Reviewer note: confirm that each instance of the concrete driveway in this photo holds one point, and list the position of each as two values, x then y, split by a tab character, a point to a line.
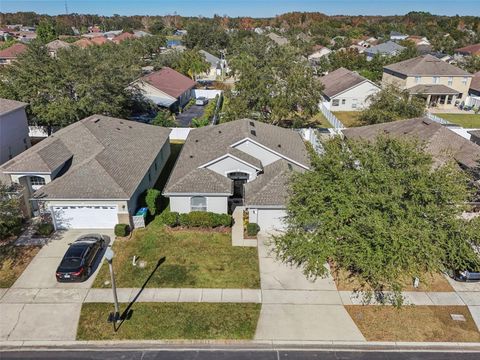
299	309
185	119
36	307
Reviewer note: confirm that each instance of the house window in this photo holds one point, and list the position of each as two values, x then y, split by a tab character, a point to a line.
354	103
344	101
37	181
335	102
464	80
418	79
198	203
450	81
436	79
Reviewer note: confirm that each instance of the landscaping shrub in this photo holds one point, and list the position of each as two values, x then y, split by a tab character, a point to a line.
252	229
44	229
122	230
222	220
204	219
168	218
152	199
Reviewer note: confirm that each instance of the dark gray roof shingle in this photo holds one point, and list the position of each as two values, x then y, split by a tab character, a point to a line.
435	89
340	80
7	105
426	65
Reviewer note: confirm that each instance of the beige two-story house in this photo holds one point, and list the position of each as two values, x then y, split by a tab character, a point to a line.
439	82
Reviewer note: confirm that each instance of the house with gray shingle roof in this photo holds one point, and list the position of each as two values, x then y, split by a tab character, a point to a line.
388	48
13	129
239	163
91	174
441	84
345	90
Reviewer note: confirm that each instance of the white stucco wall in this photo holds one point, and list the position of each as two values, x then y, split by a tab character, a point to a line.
357	95
229	164
265	156
13	134
216	204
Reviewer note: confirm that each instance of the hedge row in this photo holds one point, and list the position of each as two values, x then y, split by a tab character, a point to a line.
195	219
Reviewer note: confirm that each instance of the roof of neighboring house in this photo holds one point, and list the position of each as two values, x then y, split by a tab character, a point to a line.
388	47
169	81
57	44
83	43
436	89
209	143
475	84
104	157
212	59
123	36
271	188
279	40
99	40
475	133
13	51
426	65
470	49
7	105
396	33
442	143
340	80
141	33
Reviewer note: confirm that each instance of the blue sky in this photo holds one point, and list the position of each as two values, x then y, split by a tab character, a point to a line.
254	8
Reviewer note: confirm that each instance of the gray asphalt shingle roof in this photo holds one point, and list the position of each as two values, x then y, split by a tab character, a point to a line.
435	89
106	157
388	48
212	142
7	105
340	80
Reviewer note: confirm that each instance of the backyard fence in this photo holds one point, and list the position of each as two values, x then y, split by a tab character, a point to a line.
332	119
438	119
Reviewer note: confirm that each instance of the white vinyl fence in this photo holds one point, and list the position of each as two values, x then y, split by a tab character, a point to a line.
332	119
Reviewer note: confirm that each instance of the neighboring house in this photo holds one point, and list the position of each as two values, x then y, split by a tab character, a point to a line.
242	162
439	82
319	51
475	85
10	54
91	174
470	50
388	48
418	40
440	142
99	40
396	36
83	43
279	40
217	66
55	45
141	33
13	129
366	41
358	48
345	90
122	37
475	136
167	88
112	34
180	32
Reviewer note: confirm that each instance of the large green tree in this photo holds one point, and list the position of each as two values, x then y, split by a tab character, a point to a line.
274	84
390	104
46	31
380	210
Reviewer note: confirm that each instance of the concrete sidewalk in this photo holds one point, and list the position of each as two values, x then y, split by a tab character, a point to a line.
237	229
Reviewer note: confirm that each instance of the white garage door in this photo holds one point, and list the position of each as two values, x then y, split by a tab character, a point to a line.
271	219
85	217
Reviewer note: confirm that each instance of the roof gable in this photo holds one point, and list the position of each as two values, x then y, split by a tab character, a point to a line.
339	81
169	81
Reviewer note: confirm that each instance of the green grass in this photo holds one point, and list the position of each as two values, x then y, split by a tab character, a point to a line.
349	118
194	259
13	261
319	120
465	120
155	321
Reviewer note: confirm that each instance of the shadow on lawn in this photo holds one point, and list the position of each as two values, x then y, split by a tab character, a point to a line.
128	312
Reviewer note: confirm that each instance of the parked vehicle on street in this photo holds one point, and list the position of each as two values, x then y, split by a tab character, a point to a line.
466	275
201	101
77	263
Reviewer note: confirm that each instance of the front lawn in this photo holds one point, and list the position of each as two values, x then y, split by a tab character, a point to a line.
156	321
345	281
193	259
414	323
349	118
13	260
464	120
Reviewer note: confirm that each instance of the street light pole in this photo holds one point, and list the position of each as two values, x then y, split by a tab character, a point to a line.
109	257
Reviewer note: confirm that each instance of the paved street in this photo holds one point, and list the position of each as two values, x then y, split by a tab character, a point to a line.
236	355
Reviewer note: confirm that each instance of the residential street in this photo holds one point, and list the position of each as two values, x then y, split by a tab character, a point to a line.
235	355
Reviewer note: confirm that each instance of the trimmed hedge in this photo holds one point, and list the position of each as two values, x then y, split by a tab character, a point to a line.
122	230
152	199
252	229
44	229
200	219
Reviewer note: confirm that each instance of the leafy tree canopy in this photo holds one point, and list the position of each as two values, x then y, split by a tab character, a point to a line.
391	104
164	118
381	211
10	213
46	31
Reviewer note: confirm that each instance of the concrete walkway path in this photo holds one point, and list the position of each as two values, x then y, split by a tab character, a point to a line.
297	309
237	229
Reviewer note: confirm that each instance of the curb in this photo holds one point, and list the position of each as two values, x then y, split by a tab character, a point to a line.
259	345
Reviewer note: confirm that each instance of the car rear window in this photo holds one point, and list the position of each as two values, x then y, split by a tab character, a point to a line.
71	263
75	251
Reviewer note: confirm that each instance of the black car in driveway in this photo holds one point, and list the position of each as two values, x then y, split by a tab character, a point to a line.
77	263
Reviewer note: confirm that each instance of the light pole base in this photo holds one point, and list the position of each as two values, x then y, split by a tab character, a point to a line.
114	317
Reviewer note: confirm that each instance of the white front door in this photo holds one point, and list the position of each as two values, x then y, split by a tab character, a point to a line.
85	216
